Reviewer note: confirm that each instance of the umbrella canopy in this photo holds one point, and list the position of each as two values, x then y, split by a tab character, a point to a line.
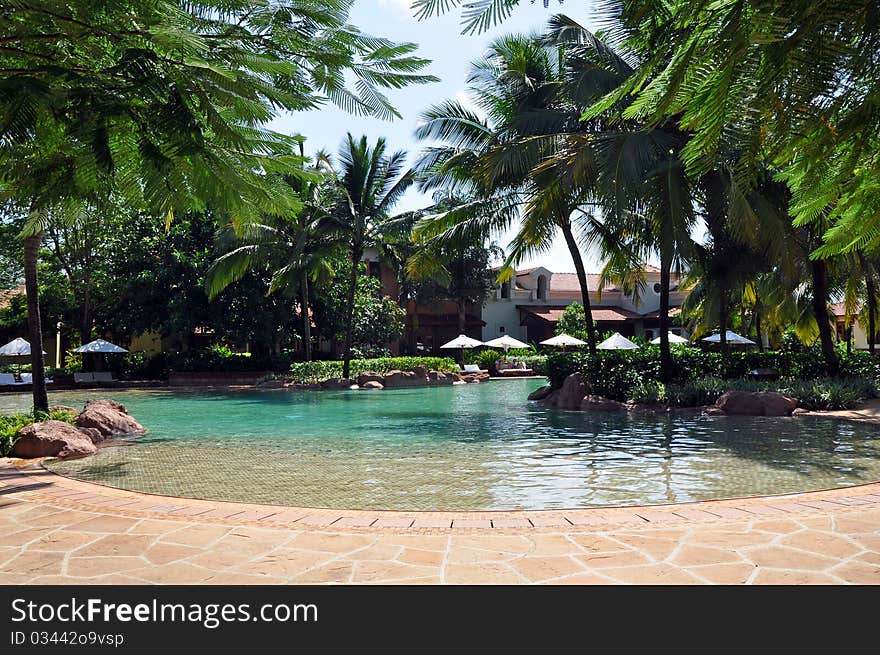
506	342
17	348
673	338
732	337
563	340
617	342
462	341
99	346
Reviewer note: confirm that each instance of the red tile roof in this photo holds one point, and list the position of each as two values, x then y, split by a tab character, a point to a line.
554	313
6	296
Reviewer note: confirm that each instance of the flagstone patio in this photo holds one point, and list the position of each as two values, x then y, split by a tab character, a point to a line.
54	530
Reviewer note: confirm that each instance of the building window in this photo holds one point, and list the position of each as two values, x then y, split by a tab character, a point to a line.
649	334
505	289
501	329
657	288
542	287
375	270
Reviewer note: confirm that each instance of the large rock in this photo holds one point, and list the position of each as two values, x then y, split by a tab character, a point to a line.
371	384
541	393
369	376
420	371
570	394
474	378
275	383
301	386
600	404
439	378
109	417
400	379
52	439
336	384
756	403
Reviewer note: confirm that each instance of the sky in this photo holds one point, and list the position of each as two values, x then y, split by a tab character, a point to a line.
441	41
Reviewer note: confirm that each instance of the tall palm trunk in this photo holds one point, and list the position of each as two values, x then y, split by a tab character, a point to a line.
35	333
723	319
665	355
304	312
462	317
760	339
871	288
819	270
582	281
356	253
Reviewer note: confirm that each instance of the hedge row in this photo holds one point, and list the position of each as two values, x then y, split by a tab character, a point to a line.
312	372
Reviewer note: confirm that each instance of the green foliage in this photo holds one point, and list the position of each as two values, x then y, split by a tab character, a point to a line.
318	371
573	322
648	392
10	424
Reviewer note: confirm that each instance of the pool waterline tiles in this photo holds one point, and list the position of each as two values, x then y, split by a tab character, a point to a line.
462	449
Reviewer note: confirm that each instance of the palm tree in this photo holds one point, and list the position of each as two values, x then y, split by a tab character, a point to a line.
522	87
369	183
295	248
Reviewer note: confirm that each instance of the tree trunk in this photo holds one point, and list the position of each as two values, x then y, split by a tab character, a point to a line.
85	326
819	271
665	355
306	321
462	317
871	288
582	281
723	320
760	339
35	328
356	254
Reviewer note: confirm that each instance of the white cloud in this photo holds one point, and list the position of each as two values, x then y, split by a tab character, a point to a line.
400	7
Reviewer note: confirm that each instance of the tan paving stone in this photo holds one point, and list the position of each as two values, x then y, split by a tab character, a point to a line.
859	573
155	526
330	543
594	543
376	551
420	557
777	577
583	579
658	548
337	572
89	567
175	573
284	563
538	569
651	575
63	541
482	574
33	563
822	543
778	557
497	543
389	572
162	553
609	560
116	544
724	573
195	535
21	537
104	523
688	556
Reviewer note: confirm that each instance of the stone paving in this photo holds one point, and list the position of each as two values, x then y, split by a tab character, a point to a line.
54	530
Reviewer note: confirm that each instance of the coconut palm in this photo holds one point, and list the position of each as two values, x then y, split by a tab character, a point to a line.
369	183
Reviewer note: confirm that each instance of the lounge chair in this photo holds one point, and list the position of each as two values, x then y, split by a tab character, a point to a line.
103	376
473	368
513	369
7	379
79	378
28	378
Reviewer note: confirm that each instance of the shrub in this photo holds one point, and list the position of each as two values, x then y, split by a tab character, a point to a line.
647	391
313	372
12	423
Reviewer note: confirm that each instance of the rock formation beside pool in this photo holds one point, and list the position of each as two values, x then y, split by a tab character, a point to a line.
53	439
756	403
98	420
110	418
574	394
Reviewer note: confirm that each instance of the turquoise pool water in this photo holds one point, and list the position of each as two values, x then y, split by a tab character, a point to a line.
474	447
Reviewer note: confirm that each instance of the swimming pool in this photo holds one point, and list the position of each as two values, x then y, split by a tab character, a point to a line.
473	447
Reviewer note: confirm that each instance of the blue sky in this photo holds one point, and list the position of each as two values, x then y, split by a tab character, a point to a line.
441	41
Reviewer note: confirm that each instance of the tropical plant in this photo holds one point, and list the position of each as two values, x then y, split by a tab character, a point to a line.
369	183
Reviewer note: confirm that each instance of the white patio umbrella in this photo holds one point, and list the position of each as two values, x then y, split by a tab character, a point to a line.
99	346
507	342
461	342
17	348
732	337
673	338
617	342
563	340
